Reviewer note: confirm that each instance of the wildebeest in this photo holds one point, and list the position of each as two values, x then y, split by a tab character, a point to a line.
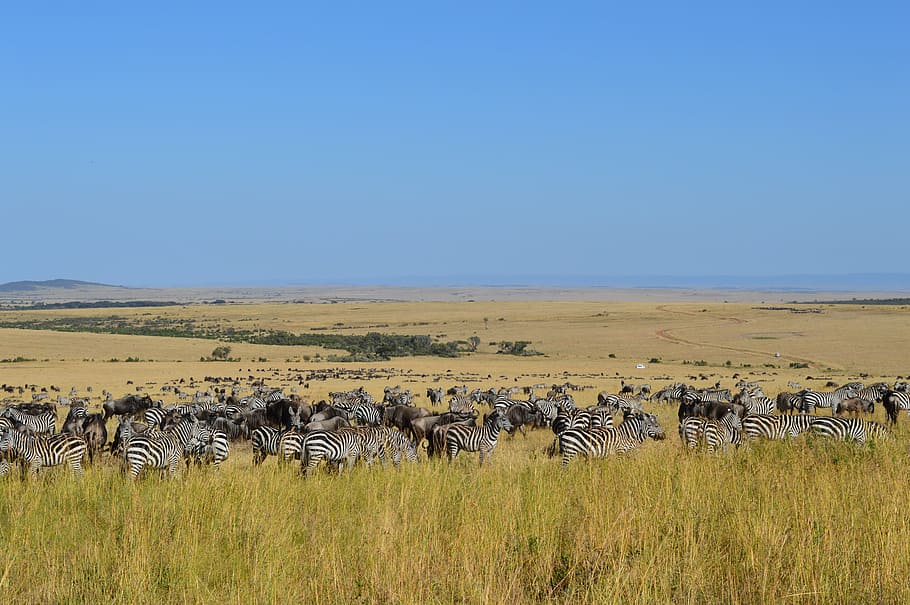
855	406
329	424
130	404
94	432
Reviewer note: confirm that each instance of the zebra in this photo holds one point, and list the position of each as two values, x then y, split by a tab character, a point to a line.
461	404
894	401
714	433
161	449
154	417
481	439
46	422
601	417
827	399
366	414
396	444
549	409
600	443
290	445
755	402
36	451
845	429
775	427
335	447
210	446
669	394
265	440
619	403
873	392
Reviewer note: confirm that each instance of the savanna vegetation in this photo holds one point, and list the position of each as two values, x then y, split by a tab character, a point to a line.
812	521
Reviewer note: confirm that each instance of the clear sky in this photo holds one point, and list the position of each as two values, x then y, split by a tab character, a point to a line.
190	143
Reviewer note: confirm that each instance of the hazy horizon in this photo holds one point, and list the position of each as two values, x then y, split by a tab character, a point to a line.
896	282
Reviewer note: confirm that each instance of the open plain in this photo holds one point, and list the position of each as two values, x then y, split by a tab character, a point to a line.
807	521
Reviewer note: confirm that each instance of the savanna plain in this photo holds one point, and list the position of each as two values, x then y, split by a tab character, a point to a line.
805	521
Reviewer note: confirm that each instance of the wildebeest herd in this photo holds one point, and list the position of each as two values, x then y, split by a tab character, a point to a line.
350	426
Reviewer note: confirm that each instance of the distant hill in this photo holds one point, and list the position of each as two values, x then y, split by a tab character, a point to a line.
65	284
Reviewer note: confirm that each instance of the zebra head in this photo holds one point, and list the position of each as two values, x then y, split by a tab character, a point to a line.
653	428
498	421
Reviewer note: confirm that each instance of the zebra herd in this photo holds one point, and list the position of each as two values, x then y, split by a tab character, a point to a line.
350	427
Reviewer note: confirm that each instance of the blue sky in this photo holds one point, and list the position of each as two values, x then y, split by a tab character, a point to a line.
399	142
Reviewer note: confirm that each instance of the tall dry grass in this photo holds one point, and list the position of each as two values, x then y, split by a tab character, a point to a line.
805	522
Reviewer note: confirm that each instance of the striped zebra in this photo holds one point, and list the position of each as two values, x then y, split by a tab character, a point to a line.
620	403
154	417
600	443
481	439
266	441
290	445
335	447
775	427
755	402
36	451
669	394
39	424
708	395
844	429
161	450
713	434
873	392
461	404
826	399
894	401
548	409
397	445
365	414
209	447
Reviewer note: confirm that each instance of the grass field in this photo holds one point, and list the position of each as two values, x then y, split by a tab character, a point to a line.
803	522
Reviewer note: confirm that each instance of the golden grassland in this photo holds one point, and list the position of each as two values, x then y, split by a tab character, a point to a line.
805	522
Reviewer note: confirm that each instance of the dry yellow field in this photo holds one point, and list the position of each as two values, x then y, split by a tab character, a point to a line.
803	522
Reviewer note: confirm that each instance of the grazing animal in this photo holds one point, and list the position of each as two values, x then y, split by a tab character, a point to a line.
602	442
845	429
894	401
45	422
827	399
481	439
130	404
94	431
161	450
714	434
775	427
855	406
336	447
37	451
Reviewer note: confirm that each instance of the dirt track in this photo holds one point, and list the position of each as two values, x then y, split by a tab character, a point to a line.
667	335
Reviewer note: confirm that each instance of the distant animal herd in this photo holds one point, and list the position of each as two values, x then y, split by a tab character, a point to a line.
351	427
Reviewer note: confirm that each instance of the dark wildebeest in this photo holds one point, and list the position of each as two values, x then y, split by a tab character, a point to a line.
715	410
328	413
94	432
129	404
855	406
285	412
895	401
422	427
330	424
400	416
519	416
